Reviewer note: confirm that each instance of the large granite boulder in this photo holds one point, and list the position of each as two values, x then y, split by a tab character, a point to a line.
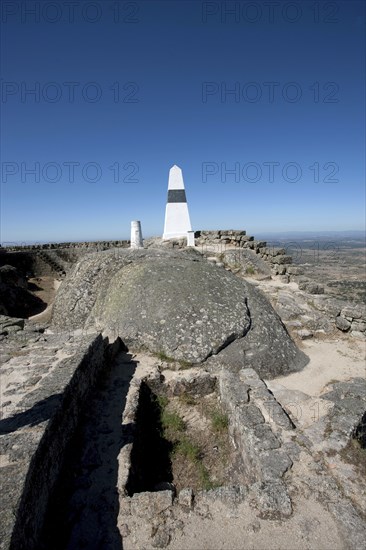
173	303
91	277
267	347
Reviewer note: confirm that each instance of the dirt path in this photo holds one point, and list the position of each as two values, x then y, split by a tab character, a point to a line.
330	361
46	290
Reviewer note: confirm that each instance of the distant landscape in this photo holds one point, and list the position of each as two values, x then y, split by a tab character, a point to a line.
334	258
348	239
337	258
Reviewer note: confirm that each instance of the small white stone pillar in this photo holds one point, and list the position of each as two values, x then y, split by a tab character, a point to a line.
190	238
136	235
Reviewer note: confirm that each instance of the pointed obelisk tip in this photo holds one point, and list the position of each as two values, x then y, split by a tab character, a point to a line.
175	178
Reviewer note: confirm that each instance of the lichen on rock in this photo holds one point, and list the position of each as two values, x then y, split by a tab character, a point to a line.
176	304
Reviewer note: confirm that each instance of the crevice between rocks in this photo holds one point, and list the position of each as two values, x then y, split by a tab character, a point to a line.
359	433
150	455
232	338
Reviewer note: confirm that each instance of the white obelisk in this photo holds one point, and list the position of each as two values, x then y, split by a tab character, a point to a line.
177	222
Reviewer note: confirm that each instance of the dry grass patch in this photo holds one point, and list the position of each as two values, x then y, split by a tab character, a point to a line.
197	428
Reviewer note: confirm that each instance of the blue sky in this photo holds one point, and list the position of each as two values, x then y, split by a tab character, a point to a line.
261	106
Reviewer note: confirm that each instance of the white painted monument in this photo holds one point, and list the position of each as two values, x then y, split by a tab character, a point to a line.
177	222
136	235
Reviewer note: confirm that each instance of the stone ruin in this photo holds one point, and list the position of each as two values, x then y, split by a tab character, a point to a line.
74	416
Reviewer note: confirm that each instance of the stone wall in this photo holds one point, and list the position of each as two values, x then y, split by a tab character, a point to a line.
225	239
231	237
95	245
352	318
52	259
256	424
37	263
49	414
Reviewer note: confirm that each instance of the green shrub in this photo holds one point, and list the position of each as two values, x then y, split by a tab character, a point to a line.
205	480
184	364
220	421
172	422
164	357
162	401
188	449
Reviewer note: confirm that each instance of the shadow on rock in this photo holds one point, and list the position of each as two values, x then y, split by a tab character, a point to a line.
84	509
41	411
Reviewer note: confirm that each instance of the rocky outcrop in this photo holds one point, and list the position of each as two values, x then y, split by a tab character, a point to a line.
310	286
347	317
10	325
246	262
78	292
176	304
349	400
165	303
267	348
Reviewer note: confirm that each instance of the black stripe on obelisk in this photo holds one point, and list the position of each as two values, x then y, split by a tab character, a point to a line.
177	195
